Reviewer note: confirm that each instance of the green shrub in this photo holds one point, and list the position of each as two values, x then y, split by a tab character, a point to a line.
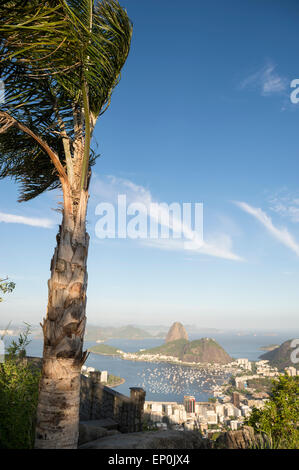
18	402
279	419
18	348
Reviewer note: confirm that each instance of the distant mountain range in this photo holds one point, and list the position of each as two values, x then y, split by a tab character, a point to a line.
95	333
204	350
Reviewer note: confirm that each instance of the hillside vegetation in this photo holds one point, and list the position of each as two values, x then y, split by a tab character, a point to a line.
280	357
104	349
204	350
174	348
280	416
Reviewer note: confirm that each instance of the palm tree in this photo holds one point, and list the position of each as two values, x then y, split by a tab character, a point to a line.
60	60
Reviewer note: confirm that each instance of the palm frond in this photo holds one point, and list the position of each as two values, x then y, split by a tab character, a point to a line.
48	50
69	40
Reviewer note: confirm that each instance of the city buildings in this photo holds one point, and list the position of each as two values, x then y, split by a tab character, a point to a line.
292	371
227	410
189	403
236	399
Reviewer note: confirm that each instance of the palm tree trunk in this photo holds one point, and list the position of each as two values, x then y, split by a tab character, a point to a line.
63	328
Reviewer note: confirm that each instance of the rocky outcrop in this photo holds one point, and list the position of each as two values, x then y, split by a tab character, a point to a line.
242	439
245	438
151	440
177	331
96	429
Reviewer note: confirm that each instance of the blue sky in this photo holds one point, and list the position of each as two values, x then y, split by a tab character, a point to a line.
202	114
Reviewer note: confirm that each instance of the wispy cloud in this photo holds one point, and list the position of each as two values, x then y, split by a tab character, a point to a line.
219	245
286	205
219	248
281	234
267	80
32	221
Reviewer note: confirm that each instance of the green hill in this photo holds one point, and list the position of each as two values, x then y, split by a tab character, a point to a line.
174	348
280	357
104	349
204	350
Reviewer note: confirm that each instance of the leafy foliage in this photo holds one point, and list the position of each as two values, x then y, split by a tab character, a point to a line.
18	348
52	55
68	40
18	402
279	419
261	384
6	286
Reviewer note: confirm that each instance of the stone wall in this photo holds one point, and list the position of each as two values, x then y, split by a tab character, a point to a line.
101	402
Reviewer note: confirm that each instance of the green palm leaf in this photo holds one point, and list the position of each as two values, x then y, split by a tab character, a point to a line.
57	56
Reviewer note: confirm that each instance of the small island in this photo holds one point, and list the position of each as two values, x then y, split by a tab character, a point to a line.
105	350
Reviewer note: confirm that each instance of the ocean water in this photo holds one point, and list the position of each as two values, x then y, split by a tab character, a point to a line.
166	382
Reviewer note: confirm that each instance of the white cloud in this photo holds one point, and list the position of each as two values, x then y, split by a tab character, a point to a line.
107	189
217	248
281	234
286	205
32	221
267	80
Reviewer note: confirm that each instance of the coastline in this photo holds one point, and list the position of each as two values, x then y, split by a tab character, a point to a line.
164	359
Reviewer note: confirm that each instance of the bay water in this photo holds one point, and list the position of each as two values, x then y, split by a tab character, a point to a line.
167	382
